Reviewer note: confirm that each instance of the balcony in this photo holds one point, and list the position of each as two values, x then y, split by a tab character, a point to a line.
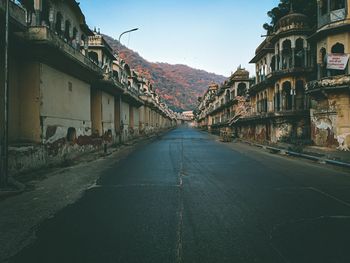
50	48
255	116
277	74
17	14
329	83
332	17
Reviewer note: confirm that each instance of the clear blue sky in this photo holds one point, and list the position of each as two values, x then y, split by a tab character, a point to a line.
216	36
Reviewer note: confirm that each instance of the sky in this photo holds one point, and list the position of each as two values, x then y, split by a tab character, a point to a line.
214	35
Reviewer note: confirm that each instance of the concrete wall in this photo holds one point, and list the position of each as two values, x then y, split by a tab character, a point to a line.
125	114
65	102
108	111
24	102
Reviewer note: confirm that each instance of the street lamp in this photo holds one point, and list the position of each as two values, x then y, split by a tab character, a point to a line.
4	130
128	31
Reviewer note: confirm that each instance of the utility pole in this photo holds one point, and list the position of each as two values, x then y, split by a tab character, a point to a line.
4	135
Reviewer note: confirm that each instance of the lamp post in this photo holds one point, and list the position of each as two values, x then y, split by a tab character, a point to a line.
128	31
4	130
120	96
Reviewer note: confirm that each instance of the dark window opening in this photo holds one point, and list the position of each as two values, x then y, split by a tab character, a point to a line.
337	4
58	25
71	134
299	53
287	96
324	7
67	31
93	56
338	49
242	89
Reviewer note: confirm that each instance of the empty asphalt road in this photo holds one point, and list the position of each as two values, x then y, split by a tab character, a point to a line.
188	198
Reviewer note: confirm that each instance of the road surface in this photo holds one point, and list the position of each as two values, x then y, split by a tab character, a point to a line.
189	198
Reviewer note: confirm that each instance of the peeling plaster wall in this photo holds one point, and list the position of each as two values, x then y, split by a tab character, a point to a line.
330	121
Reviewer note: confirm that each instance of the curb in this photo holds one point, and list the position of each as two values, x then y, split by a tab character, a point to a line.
300	155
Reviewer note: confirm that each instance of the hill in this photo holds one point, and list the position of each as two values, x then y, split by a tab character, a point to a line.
178	85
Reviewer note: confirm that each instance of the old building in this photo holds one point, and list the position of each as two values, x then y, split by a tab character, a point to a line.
218	105
330	92
301	90
284	64
69	93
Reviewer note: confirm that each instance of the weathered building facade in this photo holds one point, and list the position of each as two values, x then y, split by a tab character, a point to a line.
284	64
219	104
301	93
68	92
330	92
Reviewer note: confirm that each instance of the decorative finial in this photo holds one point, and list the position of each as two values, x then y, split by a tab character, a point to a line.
291	9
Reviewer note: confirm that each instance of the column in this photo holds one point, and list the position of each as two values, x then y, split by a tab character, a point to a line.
293	58
305	57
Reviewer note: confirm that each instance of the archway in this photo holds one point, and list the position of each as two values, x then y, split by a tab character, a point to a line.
299	53
242	89
93	56
287	96
286	54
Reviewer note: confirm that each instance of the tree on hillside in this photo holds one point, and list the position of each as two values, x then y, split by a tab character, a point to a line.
307	7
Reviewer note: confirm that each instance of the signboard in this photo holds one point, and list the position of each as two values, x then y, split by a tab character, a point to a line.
337	61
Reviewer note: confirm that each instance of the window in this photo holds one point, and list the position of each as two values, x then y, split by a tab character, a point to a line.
338	49
58	25
93	56
337	4
242	89
324	7
67	31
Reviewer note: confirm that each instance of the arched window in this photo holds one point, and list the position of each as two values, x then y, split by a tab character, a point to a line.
299	53
323	64
67	30
286	54
287	96
58	25
273	64
338	49
242	89
93	56
227	96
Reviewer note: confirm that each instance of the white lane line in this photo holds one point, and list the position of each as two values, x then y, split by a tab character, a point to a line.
179	230
132	185
179	234
331	196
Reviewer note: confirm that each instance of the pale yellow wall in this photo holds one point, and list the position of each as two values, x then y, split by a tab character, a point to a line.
131	116
58	101
24	103
96	111
125	113
330	41
136	117
108	112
